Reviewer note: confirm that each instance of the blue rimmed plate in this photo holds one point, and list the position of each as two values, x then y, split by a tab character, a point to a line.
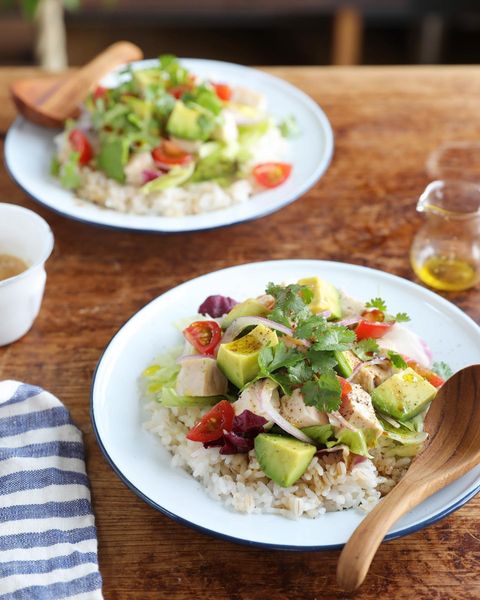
144	465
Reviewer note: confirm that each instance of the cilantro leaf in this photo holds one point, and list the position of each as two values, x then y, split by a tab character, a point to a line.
275	357
290	303
299	373
442	369
401	317
324	393
366	348
397	360
335	337
321	361
310	328
377	303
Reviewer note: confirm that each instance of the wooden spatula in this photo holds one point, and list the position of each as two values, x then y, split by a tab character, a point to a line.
52	99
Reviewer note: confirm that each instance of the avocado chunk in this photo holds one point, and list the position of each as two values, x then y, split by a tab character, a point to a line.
283	459
403	395
347	361
248	308
176	176
113	157
238	360
189	123
145	77
325	296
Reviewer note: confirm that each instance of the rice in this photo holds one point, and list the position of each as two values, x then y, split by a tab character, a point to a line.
192	199
237	480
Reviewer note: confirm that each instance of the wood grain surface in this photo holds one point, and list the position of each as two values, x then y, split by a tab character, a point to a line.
386	121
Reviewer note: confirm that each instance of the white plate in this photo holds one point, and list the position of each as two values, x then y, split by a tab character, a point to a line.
29	148
144	465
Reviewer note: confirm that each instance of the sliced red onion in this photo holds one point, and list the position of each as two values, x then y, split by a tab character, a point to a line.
426	347
150	175
374	361
349	321
268	409
239	325
338	420
325	314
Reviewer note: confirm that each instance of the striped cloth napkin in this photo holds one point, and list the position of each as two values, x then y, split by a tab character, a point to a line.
48	542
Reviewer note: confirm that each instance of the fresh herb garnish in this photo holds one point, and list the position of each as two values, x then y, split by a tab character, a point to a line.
442	369
377	303
380	304
366	348
291	303
324	393
397	360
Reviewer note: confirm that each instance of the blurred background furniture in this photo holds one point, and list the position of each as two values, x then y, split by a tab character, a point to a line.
246	31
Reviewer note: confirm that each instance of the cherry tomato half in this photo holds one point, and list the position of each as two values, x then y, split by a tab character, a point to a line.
430	376
204	336
223	91
366	329
79	143
99	92
168	153
212	425
273	174
345	385
177	91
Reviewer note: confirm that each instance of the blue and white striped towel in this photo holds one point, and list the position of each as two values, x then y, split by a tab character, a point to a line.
48	542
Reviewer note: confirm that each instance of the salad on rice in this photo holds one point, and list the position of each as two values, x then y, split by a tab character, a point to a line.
300	401
165	142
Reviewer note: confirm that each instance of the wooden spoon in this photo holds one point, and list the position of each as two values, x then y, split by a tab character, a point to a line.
453	448
50	100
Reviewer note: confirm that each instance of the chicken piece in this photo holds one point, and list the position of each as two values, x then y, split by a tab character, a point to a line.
371	376
357	409
294	409
250	399
200	376
137	165
227	130
190	146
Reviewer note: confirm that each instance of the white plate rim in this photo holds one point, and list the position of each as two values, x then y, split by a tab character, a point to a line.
190	224
472	491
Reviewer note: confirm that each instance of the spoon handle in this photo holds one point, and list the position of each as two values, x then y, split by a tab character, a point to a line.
360	549
76	87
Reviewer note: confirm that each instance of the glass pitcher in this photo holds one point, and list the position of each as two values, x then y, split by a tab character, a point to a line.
445	253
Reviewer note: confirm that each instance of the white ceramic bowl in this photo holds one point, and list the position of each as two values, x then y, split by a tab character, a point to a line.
26	235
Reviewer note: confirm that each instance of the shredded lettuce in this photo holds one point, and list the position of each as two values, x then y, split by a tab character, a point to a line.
289	127
69	172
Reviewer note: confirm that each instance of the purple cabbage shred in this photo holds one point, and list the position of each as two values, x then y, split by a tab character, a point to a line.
216	306
240	440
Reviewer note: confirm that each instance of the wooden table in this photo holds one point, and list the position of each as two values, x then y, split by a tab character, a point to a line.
386	121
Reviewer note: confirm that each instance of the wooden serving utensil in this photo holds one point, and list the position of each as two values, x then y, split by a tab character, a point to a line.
453	448
52	99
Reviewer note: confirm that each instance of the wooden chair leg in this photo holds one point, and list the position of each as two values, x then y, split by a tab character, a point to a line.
347	37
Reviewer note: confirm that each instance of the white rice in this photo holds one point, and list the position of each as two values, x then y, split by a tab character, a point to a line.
238	482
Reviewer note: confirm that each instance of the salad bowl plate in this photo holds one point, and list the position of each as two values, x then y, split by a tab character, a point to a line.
145	466
29	149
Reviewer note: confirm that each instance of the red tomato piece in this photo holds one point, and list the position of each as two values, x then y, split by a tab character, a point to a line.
168	153
430	376
273	174
345	385
212	425
177	91
366	329
223	91
99	92
79	143
204	336
374	315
